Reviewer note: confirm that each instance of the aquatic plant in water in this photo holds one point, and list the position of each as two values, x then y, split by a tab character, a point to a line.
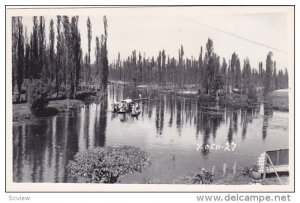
107	164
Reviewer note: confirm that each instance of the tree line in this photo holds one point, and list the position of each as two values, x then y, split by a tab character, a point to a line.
63	66
69	70
208	72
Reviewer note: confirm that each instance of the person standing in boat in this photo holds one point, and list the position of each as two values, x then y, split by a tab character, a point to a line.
135	108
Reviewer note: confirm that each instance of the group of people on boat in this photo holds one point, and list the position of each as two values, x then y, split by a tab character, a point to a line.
126	106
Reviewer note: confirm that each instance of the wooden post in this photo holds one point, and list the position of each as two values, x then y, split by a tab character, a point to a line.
213	170
265	162
277	158
234	168
271	164
224	169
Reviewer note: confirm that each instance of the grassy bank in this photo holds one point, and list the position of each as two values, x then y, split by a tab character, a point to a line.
21	112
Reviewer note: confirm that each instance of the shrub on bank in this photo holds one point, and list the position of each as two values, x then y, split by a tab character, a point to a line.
252	96
240	100
107	164
235	100
37	93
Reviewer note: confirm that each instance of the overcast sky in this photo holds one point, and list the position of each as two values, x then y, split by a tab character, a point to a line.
249	31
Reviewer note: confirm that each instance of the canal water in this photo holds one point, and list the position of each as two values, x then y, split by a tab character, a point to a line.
182	136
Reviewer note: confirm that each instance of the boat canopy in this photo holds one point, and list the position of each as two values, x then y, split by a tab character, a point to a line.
127	101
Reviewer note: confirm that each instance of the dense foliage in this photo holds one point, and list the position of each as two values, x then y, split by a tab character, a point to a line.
37	95
107	164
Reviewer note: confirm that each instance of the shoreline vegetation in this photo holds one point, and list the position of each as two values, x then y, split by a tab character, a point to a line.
276	100
21	112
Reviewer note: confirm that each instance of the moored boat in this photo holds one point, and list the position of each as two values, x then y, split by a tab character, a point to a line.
125	106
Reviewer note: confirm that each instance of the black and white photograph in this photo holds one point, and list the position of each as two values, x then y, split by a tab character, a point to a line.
150	98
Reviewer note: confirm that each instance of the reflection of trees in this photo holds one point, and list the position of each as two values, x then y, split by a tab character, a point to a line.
149	105
42	151
210	120
244	121
197	123
157	117
143	108
59	137
29	149
187	110
235	120
268	113
178	116
246	117
207	123
100	127
92	112
82	144
171	107
230	131
160	113
206	131
37	149
18	148
232	116
216	120
70	142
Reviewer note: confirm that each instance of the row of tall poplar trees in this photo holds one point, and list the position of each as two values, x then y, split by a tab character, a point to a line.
64	65
208	72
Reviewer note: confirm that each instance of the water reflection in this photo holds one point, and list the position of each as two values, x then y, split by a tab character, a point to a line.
171	109
41	150
246	118
268	113
178	116
82	135
160	113
100	129
168	126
